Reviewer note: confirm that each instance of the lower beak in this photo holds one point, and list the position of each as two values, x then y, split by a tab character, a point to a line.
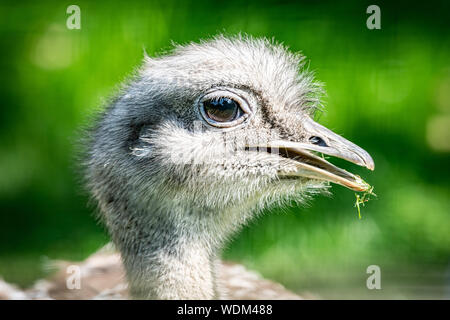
326	142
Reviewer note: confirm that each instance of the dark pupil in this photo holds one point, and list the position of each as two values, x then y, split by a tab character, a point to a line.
221	110
318	141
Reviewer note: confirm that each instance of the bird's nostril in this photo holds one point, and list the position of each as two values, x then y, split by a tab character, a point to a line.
318	141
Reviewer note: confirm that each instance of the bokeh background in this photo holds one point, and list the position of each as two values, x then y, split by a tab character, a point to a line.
388	91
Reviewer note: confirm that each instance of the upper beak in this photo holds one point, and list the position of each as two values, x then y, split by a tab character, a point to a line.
328	143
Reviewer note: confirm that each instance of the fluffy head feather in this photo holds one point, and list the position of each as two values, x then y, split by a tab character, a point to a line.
152	147
164	179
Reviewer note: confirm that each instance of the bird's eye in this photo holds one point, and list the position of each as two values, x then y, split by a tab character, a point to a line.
221	109
224	109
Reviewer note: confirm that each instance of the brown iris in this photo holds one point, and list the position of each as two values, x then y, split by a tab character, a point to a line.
221	109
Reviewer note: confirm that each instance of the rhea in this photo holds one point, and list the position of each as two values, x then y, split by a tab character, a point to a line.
195	145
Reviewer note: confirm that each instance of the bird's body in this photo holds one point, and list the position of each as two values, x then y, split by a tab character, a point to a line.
103	278
194	146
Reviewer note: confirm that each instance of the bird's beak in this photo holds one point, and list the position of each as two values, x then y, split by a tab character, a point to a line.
322	140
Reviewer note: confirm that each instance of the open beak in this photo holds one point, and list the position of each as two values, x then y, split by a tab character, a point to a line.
326	142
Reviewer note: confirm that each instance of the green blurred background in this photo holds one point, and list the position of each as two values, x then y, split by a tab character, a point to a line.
388	91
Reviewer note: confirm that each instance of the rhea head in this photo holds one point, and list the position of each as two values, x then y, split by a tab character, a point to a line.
203	138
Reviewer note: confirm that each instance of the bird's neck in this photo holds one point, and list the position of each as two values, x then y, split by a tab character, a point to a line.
185	271
170	259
